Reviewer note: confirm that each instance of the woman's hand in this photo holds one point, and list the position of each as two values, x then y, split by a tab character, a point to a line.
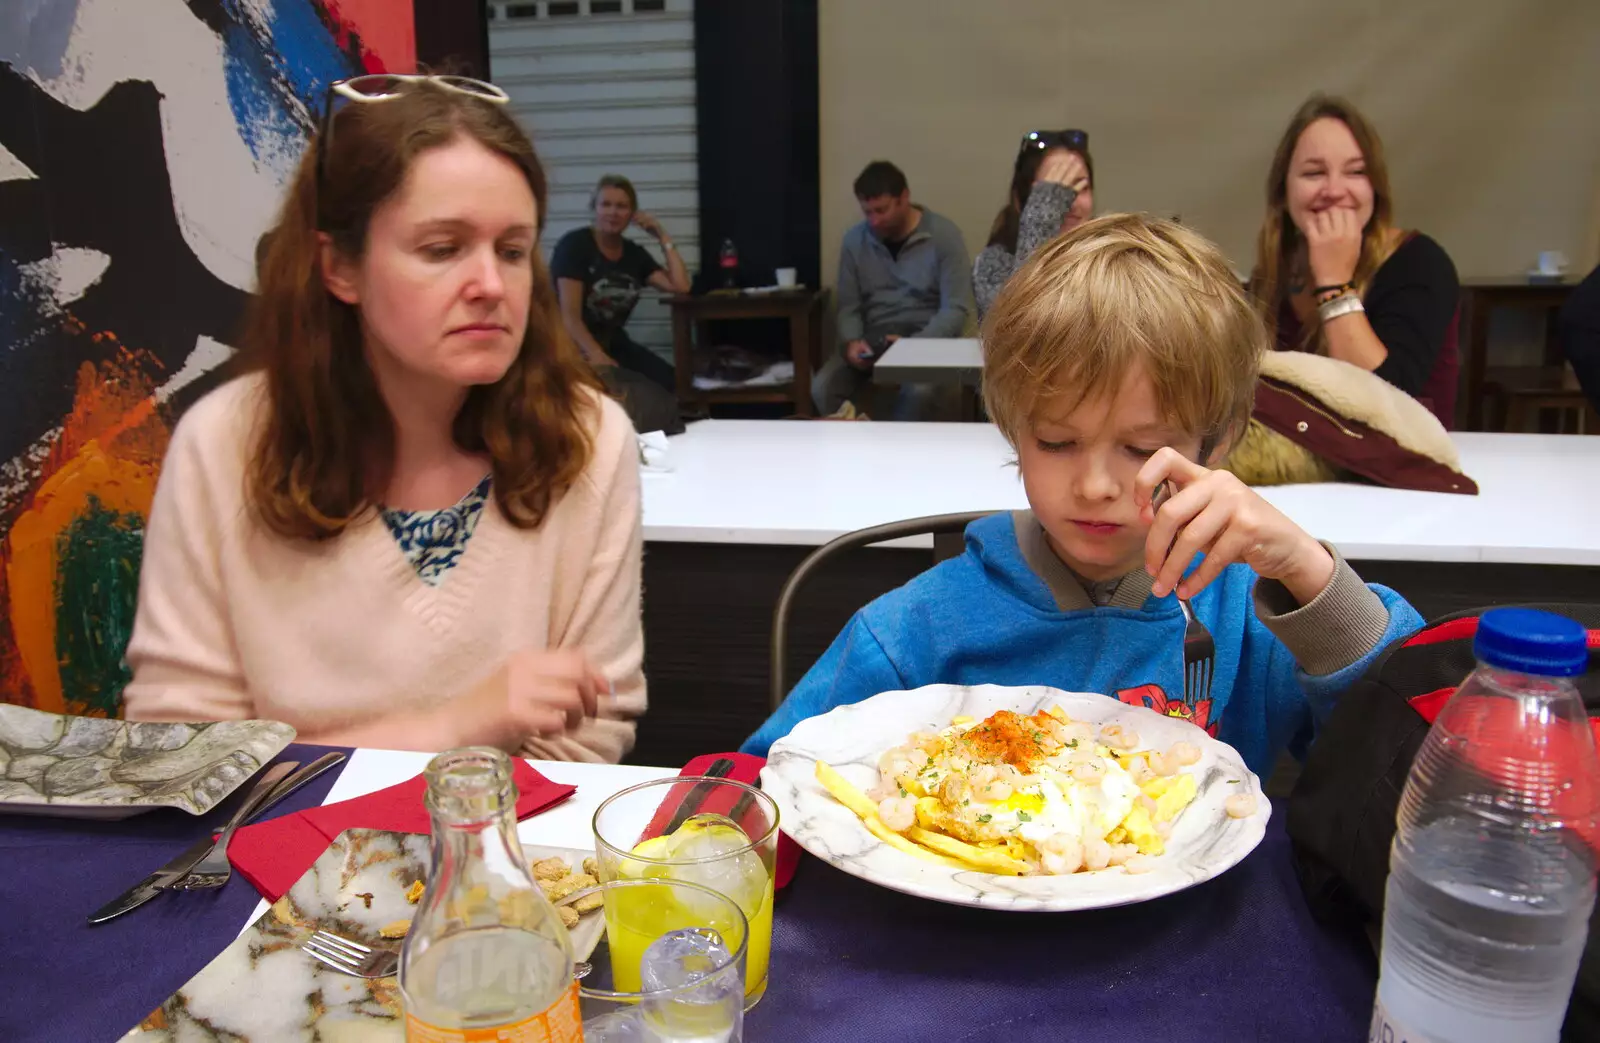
1333	245
1064	168
648	224
537	692
1213	513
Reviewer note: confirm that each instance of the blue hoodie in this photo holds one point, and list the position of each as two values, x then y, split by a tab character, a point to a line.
1008	612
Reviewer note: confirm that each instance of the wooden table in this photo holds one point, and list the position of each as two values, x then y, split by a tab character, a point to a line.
1479	297
800	307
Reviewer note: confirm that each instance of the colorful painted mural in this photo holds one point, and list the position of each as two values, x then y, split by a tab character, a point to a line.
143	149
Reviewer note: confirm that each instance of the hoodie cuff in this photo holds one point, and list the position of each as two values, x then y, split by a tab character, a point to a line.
1340	625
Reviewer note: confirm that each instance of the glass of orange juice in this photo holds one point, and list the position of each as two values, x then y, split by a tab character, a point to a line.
710	831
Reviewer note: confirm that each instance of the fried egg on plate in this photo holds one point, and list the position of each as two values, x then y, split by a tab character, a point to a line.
1039	785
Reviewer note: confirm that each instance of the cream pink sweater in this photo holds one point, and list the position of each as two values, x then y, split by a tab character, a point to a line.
236	622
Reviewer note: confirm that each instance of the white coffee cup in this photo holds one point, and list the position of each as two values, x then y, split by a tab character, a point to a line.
787	277
1552	262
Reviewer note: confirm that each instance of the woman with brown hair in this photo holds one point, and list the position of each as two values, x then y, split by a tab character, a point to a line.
414	522
1052	191
1335	276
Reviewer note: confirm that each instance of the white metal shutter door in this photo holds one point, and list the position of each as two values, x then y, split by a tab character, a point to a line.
607	87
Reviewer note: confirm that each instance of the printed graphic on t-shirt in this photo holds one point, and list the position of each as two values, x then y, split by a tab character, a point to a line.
611	299
1153	697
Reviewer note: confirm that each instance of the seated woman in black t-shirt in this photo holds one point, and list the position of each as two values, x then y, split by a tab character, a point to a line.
599	275
1333	275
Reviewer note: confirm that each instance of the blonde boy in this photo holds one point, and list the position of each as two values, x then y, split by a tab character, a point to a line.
1121	361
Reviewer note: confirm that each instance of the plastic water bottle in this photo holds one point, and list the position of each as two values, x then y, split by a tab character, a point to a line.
486	957
1492	873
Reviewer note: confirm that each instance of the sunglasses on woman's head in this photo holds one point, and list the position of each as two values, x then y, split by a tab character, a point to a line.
1045	140
384	86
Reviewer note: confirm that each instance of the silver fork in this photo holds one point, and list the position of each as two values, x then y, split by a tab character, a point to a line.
348	957
214	870
1199	657
1199	649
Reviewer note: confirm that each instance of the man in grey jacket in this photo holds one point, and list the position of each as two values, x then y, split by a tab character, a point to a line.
903	272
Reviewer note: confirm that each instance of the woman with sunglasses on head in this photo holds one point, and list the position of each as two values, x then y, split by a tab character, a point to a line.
1052	191
1335	276
414	521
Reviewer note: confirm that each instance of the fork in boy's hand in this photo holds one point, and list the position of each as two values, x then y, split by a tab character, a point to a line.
1199	648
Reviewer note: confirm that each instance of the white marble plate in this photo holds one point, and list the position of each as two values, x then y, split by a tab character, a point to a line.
264	987
1204	843
95	767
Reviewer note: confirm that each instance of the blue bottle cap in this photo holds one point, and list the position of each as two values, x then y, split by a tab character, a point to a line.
1532	642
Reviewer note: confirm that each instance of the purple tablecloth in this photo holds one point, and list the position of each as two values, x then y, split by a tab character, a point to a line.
66	982
1237	959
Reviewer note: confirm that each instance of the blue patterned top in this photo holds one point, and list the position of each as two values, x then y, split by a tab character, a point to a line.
433	541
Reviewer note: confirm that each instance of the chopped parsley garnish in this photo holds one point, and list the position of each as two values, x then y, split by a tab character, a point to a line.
985	818
964	803
902	791
1023	816
1233	781
1072	744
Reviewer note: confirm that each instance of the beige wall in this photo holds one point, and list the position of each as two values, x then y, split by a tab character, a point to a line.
1489	109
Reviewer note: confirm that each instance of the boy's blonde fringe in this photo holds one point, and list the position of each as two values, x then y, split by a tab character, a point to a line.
1117	294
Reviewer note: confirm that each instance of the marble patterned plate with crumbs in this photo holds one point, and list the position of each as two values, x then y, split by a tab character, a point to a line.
100	768
263	987
1204	843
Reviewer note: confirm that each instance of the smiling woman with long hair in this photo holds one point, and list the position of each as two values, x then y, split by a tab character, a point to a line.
1334	275
414	521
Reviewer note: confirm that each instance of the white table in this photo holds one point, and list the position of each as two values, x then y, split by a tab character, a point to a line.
931	360
568	824
803	483
794	483
746	501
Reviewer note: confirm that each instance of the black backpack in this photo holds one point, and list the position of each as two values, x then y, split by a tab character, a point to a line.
1341	816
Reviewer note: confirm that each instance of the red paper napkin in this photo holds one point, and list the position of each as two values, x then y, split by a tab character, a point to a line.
273	855
746	769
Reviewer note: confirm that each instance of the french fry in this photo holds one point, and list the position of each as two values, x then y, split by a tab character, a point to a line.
845	792
876	827
916	841
988	861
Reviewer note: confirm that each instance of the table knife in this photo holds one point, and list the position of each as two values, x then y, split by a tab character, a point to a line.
720	768
153	884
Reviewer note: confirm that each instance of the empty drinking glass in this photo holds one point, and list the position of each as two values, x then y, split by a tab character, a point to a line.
671	968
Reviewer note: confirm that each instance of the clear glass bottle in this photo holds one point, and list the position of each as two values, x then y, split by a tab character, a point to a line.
487	957
1492	873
